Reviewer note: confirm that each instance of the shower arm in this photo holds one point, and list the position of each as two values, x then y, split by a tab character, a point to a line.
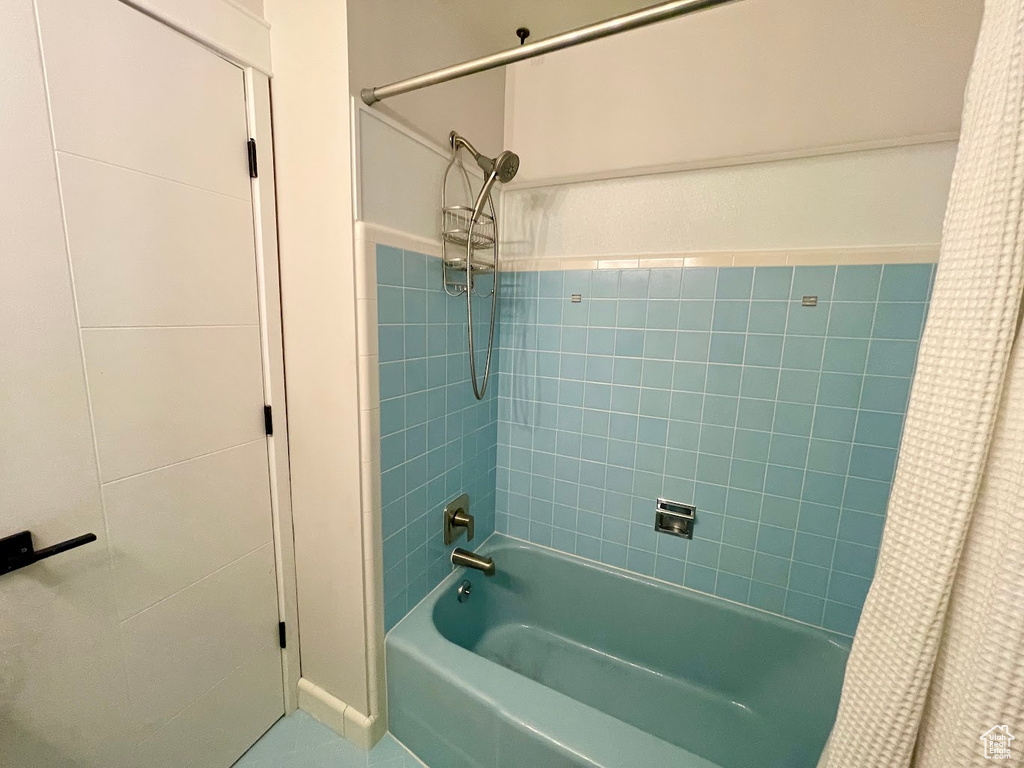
607	28
485	163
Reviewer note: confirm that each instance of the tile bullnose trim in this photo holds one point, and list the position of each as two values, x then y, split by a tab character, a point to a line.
927	253
923	253
344	719
378	234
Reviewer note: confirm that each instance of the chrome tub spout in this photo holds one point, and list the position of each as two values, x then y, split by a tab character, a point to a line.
469	559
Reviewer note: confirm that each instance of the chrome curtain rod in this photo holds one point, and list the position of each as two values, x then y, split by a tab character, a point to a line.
613	26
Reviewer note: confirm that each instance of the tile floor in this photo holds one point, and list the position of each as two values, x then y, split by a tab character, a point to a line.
299	741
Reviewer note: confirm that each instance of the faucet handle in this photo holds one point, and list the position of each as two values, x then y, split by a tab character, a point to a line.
457	519
462	519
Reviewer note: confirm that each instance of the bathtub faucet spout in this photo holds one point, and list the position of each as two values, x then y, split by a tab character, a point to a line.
469	559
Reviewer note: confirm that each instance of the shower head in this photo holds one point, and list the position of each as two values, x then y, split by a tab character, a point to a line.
504	166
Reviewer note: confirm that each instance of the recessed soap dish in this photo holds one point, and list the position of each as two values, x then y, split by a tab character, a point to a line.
675	518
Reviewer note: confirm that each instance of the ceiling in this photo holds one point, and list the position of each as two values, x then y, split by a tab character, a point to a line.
497	20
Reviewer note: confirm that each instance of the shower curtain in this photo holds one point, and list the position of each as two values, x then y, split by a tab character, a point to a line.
936	675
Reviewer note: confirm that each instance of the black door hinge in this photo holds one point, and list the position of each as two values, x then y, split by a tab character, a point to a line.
282	635
253	172
268	419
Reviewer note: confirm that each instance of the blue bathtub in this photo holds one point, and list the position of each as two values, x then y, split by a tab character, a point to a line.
558	661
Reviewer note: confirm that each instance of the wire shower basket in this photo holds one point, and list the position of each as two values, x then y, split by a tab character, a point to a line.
462	236
455	227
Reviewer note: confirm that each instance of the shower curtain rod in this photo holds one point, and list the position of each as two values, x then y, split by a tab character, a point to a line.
613	26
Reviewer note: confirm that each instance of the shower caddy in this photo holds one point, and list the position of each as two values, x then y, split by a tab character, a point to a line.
466	229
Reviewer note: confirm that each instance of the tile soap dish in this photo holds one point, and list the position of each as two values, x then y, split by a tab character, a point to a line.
675	518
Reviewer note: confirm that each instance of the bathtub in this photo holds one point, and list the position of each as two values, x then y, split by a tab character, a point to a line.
558	661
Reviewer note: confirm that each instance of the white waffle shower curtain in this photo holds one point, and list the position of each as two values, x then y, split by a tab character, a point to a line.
938	658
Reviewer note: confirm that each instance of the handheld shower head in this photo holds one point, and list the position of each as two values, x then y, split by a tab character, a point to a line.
504	166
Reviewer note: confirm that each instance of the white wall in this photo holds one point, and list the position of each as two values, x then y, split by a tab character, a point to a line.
755	79
400	174
393	39
314	194
253	6
869	199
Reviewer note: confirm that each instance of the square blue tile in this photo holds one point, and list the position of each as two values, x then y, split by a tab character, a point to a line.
803	352
851	319
797	386
727	348
857	282
699	283
788	451
813	281
694	315
665	283
730	316
829	456
873	463
885	393
879	429
807	321
855	559
720	379
892	358
772	282
804	608
692	346
905	282
793	419
845	355
899	320
604	283
751	445
763	349
768	316
734	283
664	315
756	414
809	579
760	383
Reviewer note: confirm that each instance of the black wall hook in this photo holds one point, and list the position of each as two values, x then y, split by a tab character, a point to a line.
522	33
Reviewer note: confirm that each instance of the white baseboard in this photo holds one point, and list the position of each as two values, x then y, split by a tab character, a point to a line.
362	730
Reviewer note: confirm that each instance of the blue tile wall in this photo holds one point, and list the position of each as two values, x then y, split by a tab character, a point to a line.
718	387
437	440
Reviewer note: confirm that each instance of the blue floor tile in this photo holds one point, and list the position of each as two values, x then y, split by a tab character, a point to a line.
299	741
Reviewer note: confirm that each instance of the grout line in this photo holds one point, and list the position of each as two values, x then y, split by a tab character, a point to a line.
853	442
803	484
788	304
700	430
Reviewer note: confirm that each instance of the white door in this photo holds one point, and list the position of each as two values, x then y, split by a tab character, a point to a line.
131	399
